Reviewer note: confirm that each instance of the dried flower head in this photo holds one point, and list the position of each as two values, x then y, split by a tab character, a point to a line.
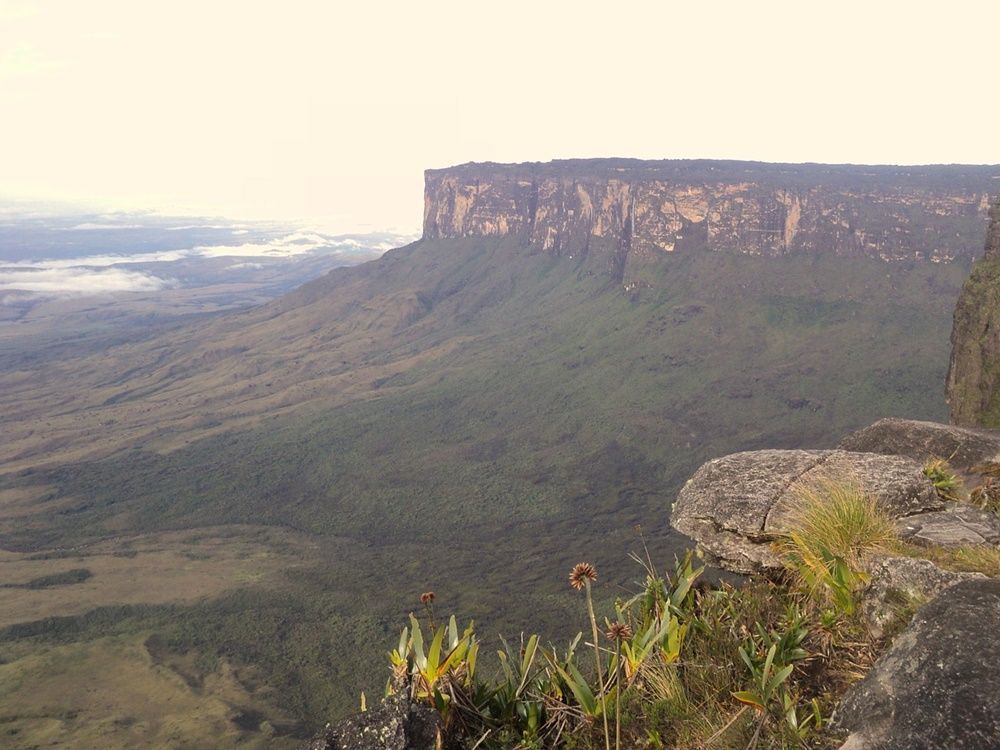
619	631
581	573
427	598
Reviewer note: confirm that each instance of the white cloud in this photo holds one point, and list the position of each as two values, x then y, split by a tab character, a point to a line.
101	261
94	225
206	226
297	243
72	281
108	273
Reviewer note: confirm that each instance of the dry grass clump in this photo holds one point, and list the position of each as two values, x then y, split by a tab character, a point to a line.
972	559
843	518
987	495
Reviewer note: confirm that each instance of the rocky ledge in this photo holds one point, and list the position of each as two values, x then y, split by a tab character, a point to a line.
737	505
938	685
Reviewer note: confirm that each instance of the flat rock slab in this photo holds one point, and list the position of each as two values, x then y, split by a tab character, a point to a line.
734	506
964	447
957	525
938	685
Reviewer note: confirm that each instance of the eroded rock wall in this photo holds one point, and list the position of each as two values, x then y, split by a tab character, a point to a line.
625	208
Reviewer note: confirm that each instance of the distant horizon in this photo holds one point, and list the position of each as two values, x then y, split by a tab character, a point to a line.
305	111
67	207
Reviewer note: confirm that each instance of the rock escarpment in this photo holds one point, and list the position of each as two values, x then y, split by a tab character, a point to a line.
974	370
624	209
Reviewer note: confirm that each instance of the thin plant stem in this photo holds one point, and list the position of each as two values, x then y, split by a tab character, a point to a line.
600	670
618	694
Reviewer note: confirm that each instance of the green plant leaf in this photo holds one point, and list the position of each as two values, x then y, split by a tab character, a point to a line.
780	676
581	690
749	698
434	653
418	645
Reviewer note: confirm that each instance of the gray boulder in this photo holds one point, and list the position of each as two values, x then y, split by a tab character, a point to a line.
964	447
735	506
938	685
394	724
898	582
957	525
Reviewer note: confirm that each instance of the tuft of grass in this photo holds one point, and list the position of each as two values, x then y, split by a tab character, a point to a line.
843	518
836	526
946	482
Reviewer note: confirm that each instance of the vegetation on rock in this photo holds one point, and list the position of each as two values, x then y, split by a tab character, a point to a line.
974	370
682	665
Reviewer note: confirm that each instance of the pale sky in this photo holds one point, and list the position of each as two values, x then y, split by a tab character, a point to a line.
330	111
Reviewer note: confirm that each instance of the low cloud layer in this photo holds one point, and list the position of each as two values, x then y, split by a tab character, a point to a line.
70	281
117	272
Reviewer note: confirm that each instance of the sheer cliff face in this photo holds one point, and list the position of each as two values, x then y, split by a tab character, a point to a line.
974	370
628	209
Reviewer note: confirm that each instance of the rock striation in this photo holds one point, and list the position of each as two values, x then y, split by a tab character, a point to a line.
624	209
974	371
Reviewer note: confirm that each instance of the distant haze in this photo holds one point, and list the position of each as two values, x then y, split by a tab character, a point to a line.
329	112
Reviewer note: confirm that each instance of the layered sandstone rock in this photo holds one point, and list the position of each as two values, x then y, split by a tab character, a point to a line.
627	209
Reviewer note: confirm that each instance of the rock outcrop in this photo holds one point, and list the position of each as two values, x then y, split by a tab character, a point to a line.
898	581
938	685
974	370
964	448
957	525
735	506
397	723
624	209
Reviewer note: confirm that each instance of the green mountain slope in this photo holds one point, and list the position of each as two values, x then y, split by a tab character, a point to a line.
524	386
468	415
